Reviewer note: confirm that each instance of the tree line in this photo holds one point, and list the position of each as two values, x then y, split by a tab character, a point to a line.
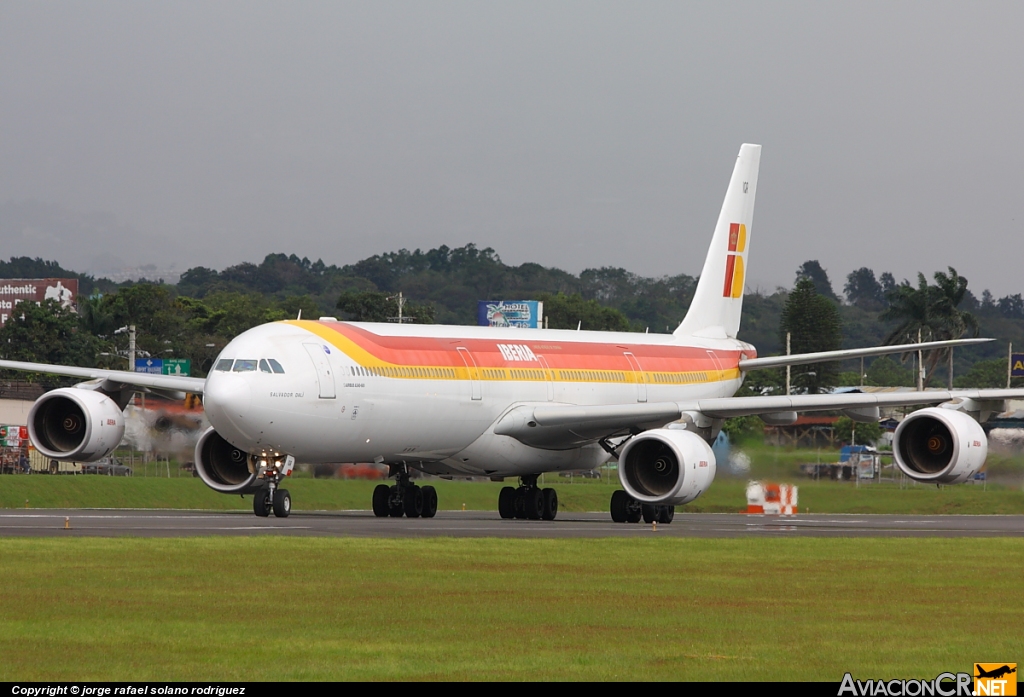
198	315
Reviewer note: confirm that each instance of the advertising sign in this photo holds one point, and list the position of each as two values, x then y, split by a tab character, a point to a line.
11	436
1017	365
16	290
510	313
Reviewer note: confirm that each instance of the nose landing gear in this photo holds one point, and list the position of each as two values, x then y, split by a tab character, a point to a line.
404	497
528	501
271	497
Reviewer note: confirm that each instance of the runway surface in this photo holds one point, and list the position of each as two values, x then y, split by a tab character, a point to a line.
170	523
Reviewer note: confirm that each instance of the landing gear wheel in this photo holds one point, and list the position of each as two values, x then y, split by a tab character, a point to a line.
413	501
394	506
380	500
618	506
261	504
534	501
507	502
633	511
282	503
550	504
429	502
666	514
650	512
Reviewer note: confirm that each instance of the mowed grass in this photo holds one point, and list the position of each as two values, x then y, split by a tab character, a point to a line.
483	609
726	495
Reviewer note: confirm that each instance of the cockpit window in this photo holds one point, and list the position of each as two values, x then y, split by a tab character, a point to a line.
264	366
244	366
276	366
224	364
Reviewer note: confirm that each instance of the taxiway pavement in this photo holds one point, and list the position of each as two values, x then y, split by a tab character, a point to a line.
174	523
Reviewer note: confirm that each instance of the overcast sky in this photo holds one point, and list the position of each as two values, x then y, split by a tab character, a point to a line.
573	134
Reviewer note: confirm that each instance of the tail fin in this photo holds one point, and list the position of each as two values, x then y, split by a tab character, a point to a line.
715	310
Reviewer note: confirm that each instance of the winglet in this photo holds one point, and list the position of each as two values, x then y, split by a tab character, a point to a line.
718	301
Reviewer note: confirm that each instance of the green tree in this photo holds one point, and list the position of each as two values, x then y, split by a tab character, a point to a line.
370	306
930	313
847	431
46	333
885	372
814	323
863	290
987	374
744	429
572	311
812	270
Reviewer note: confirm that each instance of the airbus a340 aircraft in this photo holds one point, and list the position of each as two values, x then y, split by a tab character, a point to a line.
504	402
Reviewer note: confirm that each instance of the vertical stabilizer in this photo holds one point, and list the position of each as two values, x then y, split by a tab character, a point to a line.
716	307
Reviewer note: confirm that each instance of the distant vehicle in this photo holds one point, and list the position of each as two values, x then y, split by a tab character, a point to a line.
108	466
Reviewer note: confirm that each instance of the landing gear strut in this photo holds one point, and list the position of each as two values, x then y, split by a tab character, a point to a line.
626	509
404	497
528	501
272	497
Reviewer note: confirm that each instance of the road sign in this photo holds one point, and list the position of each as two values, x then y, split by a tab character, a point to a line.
1017	365
149	365
177	366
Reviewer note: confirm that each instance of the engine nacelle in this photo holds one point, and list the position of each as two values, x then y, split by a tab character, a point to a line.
75	424
940	445
223	467
665	466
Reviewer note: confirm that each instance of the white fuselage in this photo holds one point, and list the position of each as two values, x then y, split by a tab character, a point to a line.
430	395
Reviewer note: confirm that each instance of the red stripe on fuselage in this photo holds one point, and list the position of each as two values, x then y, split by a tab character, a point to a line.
420	351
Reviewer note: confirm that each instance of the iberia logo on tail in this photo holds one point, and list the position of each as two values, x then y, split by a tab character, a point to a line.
734	261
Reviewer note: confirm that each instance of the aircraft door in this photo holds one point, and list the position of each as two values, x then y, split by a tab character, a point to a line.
548	376
474	377
715	361
638	376
324	374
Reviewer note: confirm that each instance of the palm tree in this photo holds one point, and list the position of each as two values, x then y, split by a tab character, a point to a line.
930	313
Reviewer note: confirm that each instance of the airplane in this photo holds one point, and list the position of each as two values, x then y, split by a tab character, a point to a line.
506	402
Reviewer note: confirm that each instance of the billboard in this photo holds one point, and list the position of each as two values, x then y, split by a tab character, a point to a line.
1017	365
16	290
510	313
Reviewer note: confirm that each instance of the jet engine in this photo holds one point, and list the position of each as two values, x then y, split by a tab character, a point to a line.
668	467
75	424
223	467
940	445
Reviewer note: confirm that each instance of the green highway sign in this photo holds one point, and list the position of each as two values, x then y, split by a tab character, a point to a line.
177	366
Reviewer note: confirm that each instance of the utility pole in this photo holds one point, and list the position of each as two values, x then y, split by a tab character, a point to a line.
131	348
787	367
920	364
1009	364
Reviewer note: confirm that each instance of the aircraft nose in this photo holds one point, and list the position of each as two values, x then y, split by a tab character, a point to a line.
228	404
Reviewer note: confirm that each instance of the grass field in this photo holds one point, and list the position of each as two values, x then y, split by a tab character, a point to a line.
478	609
726	495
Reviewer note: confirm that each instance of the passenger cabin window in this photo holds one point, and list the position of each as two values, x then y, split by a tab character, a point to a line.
245	366
276	366
224	364
264	366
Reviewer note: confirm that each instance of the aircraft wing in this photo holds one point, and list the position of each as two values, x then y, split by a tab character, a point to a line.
568	426
168	383
822	356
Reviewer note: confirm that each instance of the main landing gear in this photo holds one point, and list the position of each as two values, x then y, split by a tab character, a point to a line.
626	509
404	498
528	501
